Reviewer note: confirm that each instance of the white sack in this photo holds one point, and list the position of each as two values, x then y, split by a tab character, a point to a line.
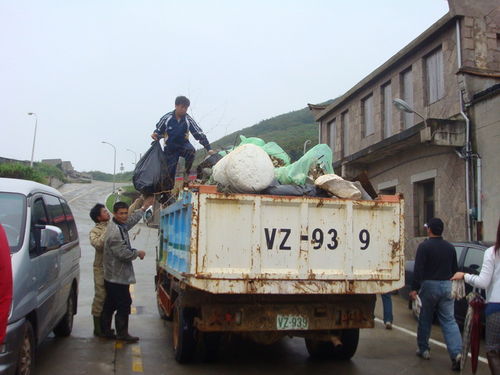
338	186
246	169
219	171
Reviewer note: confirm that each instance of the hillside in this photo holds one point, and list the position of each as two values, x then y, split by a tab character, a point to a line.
289	130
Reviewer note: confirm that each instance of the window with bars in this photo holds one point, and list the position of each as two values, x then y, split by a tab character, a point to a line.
434	74
407	96
332	133
424	205
344	119
368	127
387	109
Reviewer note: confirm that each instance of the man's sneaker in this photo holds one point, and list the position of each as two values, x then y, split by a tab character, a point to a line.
388	325
455	363
424	355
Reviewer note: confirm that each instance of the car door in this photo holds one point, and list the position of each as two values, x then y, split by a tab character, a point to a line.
472	262
45	264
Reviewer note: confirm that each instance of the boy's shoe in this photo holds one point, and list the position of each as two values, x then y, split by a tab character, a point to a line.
455	363
424	355
388	325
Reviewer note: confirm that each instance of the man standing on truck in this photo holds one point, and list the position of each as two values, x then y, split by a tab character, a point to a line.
119	271
175	127
435	264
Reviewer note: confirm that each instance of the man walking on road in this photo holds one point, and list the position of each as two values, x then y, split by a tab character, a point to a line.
175	127
435	264
119	271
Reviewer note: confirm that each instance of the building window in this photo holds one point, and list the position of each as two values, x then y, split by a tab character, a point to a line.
434	74
388	191
344	119
423	205
332	134
368	127
387	110
407	96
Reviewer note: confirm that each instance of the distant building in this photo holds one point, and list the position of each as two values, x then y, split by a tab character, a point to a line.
446	166
53	162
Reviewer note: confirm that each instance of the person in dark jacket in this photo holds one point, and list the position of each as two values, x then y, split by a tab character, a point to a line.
119	271
175	127
435	264
5	283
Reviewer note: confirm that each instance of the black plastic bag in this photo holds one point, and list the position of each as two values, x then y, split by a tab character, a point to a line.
208	162
150	173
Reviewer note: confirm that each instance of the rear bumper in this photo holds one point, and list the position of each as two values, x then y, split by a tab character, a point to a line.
13	339
262	316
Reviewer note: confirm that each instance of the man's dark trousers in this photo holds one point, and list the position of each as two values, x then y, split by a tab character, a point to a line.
172	155
117	299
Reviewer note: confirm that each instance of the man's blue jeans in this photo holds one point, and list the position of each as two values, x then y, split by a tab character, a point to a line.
387	304
436	296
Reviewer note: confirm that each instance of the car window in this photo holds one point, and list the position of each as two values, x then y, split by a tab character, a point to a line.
473	260
13	218
38	216
56	215
459	250
70	219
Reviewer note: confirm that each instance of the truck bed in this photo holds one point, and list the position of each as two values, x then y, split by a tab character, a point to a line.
264	244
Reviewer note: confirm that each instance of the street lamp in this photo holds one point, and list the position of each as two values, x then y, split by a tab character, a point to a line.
405	107
114	163
135	155
305	145
34	137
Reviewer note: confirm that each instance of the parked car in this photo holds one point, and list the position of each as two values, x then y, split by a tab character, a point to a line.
45	253
470	259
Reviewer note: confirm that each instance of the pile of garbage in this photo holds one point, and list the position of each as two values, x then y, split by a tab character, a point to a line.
257	167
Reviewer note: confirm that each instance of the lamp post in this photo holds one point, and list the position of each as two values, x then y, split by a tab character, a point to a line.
305	145
405	107
135	155
34	137
114	163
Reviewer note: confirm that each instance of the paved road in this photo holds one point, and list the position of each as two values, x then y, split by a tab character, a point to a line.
380	351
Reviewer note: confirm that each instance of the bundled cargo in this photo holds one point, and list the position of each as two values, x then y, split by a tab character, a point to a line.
247	169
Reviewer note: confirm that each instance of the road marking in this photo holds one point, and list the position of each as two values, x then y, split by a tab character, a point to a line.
136	359
133	310
432	341
118	344
81	195
132	288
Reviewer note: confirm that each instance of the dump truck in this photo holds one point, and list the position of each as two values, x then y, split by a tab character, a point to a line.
266	267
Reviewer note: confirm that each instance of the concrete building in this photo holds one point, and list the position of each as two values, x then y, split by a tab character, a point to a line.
444	157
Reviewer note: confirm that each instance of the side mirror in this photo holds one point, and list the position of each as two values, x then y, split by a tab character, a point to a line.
51	238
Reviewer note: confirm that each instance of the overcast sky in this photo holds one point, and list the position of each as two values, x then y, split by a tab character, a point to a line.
108	70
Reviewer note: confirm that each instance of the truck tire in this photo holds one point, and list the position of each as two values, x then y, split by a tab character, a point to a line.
65	325
183	334
326	350
26	359
162	312
211	343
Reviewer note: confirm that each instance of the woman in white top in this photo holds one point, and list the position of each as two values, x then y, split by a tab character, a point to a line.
489	279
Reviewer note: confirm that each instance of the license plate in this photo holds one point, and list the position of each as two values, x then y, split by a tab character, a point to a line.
291	322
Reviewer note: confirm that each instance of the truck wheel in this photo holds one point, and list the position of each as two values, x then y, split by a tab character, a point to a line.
350	339
162	312
183	334
26	359
325	349
65	325
211	343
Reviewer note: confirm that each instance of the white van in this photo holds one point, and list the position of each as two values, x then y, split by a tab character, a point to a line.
45	255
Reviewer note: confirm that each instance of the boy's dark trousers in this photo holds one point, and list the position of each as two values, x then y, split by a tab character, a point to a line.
172	155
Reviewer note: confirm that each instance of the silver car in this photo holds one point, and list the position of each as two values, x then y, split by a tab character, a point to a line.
45	255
